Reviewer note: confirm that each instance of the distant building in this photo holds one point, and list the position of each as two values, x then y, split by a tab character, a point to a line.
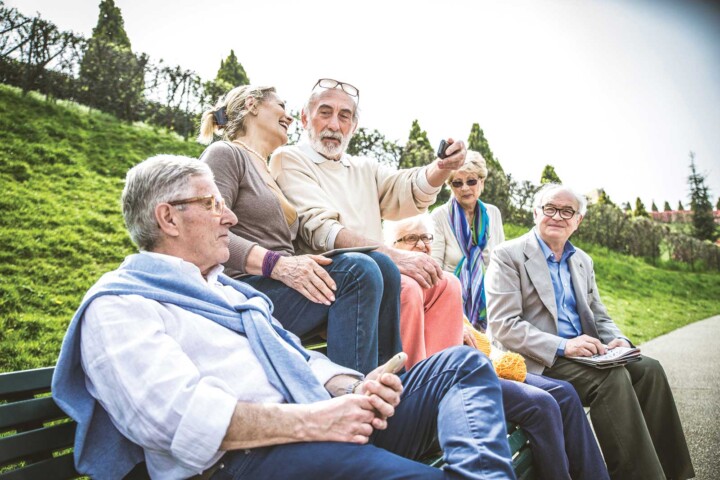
679	216
593	196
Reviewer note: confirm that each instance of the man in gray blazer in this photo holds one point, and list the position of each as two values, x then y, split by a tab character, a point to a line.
543	303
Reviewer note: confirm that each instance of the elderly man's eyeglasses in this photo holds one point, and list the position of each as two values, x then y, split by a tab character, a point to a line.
210	202
329	83
412	239
565	213
470	182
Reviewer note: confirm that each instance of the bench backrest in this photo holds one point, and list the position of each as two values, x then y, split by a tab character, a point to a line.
36	437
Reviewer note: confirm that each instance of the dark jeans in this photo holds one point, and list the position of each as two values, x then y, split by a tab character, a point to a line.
551	414
633	411
363	323
453	398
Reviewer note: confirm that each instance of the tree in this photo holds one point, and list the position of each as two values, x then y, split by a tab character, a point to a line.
627	208
374	144
112	77
702	217
417	151
680	206
640	209
497	184
604	198
653	207
232	72
717	205
549	176
667	207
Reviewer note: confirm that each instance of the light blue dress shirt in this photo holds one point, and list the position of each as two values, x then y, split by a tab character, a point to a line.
569	325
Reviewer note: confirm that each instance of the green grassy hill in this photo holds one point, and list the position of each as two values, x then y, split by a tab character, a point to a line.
61	173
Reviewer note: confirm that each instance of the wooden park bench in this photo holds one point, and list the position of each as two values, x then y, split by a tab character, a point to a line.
36	437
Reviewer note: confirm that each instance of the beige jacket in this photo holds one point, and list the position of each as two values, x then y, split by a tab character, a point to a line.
522	314
445	247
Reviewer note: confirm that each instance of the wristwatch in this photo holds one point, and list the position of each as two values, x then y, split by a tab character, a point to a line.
351	387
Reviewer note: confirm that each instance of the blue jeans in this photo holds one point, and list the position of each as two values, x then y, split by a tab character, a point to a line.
453	398
552	416
363	323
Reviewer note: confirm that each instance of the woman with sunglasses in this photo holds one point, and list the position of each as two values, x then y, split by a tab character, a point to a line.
351	292
466	230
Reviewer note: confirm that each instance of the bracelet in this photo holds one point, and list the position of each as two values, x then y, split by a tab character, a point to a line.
269	261
351	388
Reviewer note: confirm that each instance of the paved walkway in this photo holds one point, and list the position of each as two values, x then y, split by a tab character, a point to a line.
691	358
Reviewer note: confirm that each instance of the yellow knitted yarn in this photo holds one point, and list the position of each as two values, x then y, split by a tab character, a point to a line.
482	342
510	366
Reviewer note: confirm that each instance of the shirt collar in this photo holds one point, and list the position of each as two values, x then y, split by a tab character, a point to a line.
190	268
319	159
568	250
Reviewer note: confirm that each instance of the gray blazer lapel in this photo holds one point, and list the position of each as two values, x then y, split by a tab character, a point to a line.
537	270
579	279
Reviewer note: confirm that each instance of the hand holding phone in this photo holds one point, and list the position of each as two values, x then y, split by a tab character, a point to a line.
442	148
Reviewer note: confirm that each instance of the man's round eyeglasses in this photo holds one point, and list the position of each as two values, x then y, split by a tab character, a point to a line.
412	239
470	182
329	83
565	213
210	202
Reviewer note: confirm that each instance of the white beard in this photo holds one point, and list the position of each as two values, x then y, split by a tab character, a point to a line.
331	151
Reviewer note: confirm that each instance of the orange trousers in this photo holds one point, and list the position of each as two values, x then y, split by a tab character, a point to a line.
431	319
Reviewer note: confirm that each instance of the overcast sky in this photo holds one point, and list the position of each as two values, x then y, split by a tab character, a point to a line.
613	93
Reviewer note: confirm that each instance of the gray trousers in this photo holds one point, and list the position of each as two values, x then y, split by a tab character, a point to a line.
634	416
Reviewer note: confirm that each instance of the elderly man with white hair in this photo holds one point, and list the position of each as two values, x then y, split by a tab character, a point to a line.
543	302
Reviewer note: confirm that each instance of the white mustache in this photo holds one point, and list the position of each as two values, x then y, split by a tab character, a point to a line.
330	134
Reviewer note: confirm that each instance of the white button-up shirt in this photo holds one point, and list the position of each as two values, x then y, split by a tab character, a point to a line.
170	379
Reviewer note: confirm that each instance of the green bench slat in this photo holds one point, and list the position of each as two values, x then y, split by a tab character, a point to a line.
59	468
42	440
517	440
522	464
37	410
25	381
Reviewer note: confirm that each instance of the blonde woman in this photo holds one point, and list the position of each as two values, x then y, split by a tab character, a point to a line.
354	296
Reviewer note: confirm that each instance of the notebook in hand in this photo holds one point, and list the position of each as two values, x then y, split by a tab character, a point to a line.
614	357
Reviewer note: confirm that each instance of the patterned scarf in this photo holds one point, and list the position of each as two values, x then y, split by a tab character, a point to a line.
471	269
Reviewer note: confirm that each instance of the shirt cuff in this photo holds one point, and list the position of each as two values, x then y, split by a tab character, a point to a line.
423	184
324	369
332	235
561	347
203	425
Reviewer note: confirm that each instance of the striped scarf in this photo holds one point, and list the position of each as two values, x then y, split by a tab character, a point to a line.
471	268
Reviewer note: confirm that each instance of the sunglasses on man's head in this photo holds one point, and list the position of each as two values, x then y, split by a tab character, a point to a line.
329	83
470	182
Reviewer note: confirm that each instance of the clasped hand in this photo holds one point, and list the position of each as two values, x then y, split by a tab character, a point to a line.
353	418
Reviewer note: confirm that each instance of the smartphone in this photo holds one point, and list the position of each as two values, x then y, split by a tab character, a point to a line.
442	148
395	364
